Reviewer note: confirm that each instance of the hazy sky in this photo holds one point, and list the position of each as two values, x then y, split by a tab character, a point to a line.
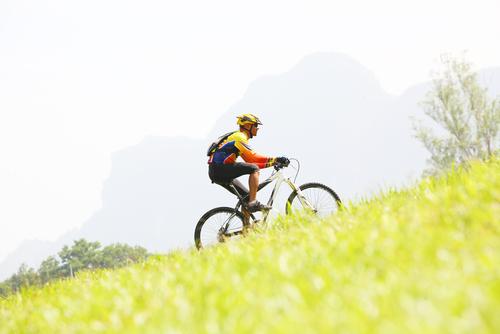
82	79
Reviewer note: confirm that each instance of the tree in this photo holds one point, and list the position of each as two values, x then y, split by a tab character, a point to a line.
24	277
468	115
118	255
82	255
49	269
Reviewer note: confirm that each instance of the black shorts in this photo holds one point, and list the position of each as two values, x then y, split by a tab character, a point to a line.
225	173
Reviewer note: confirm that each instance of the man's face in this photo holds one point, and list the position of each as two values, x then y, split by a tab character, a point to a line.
255	129
252	129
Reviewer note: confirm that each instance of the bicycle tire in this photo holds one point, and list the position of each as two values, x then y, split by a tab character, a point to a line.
214	227
324	200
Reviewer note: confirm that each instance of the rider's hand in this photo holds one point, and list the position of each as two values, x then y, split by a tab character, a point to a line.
283	160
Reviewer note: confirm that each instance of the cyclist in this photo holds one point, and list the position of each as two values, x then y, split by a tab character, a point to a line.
223	167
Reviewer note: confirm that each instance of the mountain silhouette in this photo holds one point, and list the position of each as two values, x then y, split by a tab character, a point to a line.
328	111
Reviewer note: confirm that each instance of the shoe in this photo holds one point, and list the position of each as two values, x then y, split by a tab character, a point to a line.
257	206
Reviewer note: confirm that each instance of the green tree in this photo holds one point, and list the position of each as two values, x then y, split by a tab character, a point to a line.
5	290
49	270
468	115
118	255
24	277
82	255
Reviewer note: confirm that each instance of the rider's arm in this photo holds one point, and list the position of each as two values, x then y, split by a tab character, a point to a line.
251	156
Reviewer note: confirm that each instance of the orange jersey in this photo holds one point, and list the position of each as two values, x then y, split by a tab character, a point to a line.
237	145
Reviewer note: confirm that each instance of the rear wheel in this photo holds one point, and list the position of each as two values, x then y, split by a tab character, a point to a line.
324	201
218	225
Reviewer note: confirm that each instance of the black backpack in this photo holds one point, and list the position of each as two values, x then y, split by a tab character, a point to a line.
214	146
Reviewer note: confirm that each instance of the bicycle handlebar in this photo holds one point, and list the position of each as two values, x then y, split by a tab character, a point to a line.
279	165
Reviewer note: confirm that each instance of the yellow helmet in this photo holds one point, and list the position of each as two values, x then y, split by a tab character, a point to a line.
248	119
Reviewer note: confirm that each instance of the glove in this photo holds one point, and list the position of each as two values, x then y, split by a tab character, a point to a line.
283	160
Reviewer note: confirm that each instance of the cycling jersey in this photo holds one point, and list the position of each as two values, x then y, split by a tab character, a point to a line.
237	145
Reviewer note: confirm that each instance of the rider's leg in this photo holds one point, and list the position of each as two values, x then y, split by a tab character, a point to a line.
228	172
253	204
253	183
243	191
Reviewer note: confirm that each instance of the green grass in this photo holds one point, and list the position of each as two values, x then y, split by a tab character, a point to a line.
422	260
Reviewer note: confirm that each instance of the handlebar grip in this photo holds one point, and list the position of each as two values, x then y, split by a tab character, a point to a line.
279	165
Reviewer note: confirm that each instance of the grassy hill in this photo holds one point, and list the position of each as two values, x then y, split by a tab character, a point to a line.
422	260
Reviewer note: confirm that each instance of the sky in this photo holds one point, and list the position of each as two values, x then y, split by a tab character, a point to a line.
80	80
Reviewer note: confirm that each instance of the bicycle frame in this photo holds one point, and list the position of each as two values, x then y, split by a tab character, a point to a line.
220	224
280	177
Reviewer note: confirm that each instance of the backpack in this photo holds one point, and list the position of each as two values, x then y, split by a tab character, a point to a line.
214	147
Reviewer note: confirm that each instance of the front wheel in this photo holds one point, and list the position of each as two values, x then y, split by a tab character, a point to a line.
217	226
324	201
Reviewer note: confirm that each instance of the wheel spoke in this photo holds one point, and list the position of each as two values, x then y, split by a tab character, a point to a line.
324	201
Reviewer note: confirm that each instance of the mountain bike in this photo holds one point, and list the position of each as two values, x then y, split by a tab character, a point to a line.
223	223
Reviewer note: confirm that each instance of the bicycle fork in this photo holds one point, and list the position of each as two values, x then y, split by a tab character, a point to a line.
300	196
